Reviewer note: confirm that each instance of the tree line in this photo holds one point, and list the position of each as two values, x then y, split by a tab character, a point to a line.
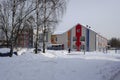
44	15
114	43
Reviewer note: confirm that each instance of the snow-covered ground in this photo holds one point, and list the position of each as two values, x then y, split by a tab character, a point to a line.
61	65
4	50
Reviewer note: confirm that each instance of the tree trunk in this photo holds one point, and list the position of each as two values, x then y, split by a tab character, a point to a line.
44	30
36	43
7	41
44	41
11	39
37	14
11	48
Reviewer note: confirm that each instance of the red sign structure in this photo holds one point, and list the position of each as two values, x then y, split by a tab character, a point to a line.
78	35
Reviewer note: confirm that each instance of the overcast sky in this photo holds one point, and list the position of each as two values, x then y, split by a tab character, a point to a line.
102	15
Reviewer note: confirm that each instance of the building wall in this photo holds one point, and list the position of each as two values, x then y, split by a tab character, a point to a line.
92	41
101	42
74	36
83	36
25	39
83	31
60	39
48	39
54	39
98	43
72	39
87	39
64	40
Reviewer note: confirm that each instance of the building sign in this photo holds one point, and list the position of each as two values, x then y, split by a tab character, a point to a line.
78	35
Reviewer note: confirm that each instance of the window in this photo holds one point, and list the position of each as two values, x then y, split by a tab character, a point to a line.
82	38
74	38
56	38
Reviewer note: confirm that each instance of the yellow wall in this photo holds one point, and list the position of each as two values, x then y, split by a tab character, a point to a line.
53	39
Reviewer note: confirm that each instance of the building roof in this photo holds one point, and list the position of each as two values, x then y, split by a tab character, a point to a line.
58	32
62	31
67	29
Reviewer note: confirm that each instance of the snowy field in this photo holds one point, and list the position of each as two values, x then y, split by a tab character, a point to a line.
61	65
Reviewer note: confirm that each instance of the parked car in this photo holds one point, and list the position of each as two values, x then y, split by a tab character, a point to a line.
4	52
56	47
38	49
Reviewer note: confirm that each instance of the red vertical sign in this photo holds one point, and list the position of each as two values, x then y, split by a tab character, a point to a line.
78	35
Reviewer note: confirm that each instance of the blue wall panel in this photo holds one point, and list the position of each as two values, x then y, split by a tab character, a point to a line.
87	39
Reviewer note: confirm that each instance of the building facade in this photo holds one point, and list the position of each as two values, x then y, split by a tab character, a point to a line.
78	38
101	43
25	38
40	38
3	42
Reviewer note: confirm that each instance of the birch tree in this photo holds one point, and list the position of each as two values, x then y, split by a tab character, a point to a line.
14	12
4	16
48	14
17	11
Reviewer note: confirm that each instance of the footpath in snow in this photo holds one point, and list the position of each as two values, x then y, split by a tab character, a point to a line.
117	76
60	65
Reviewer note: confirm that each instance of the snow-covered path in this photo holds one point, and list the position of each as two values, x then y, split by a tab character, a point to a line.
116	76
58	65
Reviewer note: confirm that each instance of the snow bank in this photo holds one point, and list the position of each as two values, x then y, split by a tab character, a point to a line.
48	55
22	51
118	51
4	50
60	65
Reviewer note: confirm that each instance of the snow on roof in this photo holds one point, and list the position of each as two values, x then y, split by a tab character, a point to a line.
58	31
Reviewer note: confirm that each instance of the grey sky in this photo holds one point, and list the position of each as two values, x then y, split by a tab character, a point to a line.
102	15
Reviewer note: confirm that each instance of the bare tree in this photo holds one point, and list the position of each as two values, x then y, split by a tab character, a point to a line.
16	13
13	14
49	11
53	9
4	16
